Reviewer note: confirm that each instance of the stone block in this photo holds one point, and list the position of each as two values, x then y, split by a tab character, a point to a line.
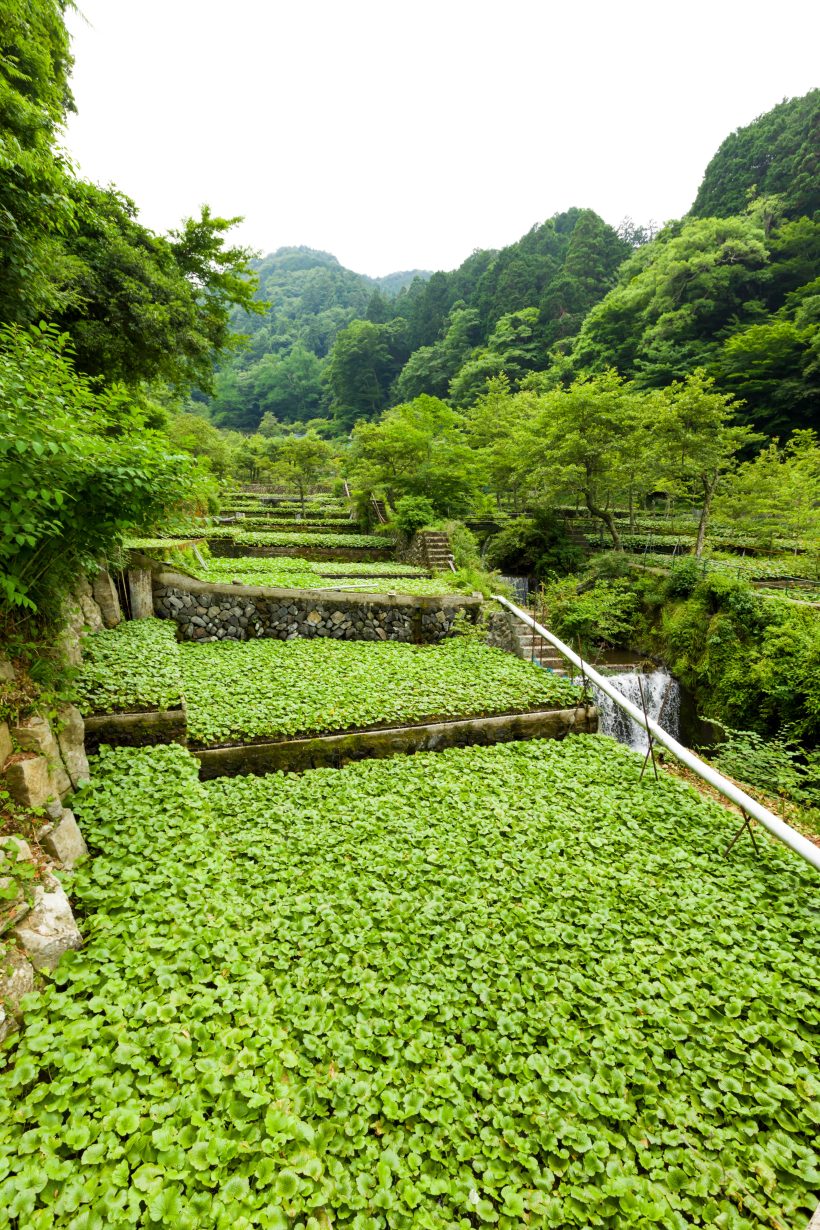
64	841
6	670
16	980
29	781
105	595
5	744
16	849
71	742
34	734
49	930
92	615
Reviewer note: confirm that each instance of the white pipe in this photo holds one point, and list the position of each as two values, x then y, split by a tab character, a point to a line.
777	827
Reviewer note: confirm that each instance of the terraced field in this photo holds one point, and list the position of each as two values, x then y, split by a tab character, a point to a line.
240	691
512	987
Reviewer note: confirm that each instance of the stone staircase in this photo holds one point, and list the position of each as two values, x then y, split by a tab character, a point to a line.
533	648
438	551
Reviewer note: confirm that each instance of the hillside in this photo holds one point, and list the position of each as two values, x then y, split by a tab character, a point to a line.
732	287
500	310
778	154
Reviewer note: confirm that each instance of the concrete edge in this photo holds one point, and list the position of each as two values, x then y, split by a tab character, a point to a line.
331	750
136	729
178	580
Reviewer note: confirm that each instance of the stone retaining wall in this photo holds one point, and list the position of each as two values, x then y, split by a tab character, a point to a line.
501	632
42	760
425	549
206	611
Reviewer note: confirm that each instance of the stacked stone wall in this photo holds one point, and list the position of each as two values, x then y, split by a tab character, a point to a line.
205	611
501	632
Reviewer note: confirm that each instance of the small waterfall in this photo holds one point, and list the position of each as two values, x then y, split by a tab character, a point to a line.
521	588
662	698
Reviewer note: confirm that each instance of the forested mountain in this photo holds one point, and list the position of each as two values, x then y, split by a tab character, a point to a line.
309	299
779	154
334	340
733	288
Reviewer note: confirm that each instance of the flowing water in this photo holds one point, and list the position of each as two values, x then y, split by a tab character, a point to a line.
661	695
520	587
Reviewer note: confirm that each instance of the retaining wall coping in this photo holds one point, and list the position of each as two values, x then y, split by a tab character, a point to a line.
175	580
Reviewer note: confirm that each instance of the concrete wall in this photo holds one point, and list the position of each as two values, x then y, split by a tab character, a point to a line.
207	611
296	755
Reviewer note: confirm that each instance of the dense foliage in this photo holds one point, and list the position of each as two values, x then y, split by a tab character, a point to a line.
429	991
601	614
733	295
132	667
777	155
147	307
241	691
79	469
86	290
752	662
778	766
331	344
35	207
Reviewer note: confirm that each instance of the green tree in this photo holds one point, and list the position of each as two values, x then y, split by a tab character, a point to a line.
301	461
417	448
674	298
78	470
252	460
594	254
233	403
36	210
148	307
777	493
515	348
779	153
697	440
288	386
431	368
771	367
498	427
584	442
194	434
360	370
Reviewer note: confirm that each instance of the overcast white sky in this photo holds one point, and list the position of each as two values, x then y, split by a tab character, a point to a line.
401	134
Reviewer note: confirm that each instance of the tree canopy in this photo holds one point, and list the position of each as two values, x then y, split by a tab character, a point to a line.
777	154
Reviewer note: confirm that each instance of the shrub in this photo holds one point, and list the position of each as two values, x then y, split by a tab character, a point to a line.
413	512
78	470
774	765
536	546
466	553
606	613
683	577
